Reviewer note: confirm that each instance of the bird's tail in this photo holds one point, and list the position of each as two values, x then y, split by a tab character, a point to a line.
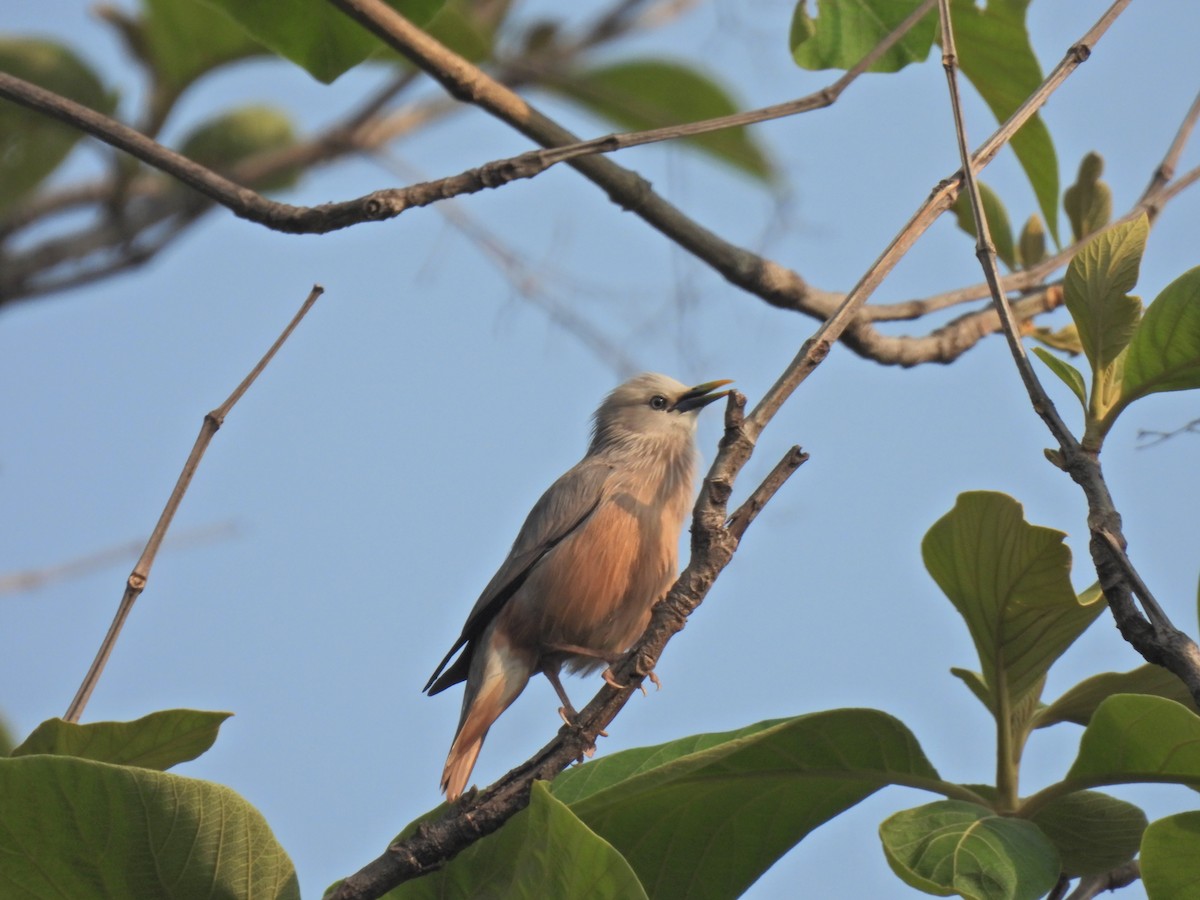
498	675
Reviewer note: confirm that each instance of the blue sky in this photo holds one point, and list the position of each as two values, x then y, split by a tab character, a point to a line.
377	473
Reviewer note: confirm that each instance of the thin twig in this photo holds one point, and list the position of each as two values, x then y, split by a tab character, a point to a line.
1157	437
1166	169
136	582
1091	886
1153	611
524	281
1157	640
33	579
745	514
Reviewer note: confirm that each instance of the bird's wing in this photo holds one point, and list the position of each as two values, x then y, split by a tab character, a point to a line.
567	504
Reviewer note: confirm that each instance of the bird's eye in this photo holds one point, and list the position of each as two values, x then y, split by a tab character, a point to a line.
658	401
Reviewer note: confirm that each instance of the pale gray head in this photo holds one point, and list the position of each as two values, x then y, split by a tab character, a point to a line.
651	409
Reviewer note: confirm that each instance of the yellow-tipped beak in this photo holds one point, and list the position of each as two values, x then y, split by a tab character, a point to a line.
701	395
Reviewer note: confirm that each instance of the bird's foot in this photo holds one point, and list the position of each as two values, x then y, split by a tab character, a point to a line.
569	716
611	680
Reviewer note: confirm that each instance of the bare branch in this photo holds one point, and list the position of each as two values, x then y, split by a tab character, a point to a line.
136	582
1166	169
1157	437
1091	886
32	579
753	505
387	204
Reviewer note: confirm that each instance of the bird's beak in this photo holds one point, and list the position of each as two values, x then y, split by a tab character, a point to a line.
701	395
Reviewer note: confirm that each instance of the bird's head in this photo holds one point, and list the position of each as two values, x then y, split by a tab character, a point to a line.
654	406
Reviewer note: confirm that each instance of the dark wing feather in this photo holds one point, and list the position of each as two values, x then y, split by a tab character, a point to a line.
568	503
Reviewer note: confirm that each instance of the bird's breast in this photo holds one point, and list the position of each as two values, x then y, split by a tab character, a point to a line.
596	588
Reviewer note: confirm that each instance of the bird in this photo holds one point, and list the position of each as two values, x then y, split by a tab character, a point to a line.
594	555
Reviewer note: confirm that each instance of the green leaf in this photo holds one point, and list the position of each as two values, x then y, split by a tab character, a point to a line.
997	218
1093	832
1096	290
184	39
705	816
653	93
1134	737
976	685
7	742
157	741
1164	354
31	143
1011	582
222	142
1088	202
315	34
1065	339
1171	858
1079	703
1031	248
79	828
952	847
844	31
995	54
1070	375
543	851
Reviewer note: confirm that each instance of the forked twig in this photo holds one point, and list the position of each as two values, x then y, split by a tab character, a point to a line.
136	583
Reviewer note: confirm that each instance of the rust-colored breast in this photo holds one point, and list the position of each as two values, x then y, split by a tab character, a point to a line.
597	587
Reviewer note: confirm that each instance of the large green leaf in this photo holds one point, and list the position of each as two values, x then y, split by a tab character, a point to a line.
184	39
1171	858
997	219
653	93
1011	582
313	33
84	829
1164	354
1093	832
995	54
157	741
1134	737
543	851
31	143
704	816
1078	703
952	847
1096	290
844	31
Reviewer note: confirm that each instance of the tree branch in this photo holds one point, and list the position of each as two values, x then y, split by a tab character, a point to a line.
136	582
1153	635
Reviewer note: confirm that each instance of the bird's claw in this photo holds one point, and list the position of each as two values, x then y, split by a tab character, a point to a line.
611	681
